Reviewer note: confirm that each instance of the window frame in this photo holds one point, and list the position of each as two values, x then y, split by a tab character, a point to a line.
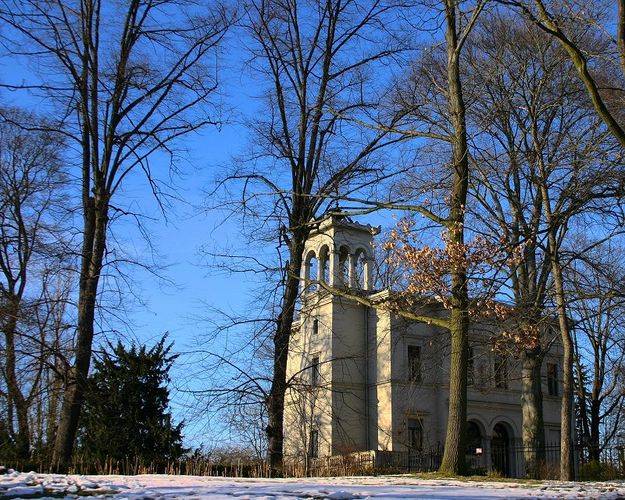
411	443
501	371
315	371
552	379
414	369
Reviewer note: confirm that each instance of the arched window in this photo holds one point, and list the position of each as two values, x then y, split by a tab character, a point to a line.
360	268
324	264
311	274
343	274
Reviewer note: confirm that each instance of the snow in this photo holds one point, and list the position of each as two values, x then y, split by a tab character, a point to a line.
33	485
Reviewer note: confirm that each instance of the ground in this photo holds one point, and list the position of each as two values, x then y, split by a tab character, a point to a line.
34	485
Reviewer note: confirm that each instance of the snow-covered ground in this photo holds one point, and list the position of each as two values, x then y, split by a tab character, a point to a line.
33	485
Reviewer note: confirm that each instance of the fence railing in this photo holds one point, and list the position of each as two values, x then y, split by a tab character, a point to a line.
510	460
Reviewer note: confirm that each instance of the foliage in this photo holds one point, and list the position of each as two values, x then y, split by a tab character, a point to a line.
126	406
598	471
427	269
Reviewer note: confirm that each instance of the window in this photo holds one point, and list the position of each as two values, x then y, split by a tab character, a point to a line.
415	434
414	363
315	374
315	327
474	439
311	267
360	267
552	379
501	372
324	264
313	273
470	368
313	444
343	266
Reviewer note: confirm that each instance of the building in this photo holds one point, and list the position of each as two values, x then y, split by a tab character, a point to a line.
364	379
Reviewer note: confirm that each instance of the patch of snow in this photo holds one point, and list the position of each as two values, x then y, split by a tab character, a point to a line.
162	487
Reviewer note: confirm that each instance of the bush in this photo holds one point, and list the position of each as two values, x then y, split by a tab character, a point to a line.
598	471
126	417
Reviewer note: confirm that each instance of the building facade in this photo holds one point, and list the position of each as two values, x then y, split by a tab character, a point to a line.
364	379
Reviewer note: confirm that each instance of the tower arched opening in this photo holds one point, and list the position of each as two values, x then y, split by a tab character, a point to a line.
324	264
361	265
311	272
344	263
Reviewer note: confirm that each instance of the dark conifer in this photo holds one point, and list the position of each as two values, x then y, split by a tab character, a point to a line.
126	407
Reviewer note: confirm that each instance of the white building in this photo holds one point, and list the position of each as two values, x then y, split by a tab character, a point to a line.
364	379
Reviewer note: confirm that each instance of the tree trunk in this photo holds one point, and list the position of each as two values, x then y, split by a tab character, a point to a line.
454	461
566	410
595	418
532	412
96	221
284	324
15	396
56	390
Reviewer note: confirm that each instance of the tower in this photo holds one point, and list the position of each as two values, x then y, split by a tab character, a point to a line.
340	253
326	405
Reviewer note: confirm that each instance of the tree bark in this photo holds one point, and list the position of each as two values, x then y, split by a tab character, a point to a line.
15	396
532	412
284	325
96	222
454	461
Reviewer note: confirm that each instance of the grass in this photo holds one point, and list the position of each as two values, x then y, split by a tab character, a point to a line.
495	478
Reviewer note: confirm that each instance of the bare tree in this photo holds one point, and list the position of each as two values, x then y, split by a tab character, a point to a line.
562	21
435	101
129	79
32	258
597	306
518	75
318	61
544	159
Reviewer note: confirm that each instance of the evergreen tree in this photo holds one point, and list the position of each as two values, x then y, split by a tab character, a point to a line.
126	407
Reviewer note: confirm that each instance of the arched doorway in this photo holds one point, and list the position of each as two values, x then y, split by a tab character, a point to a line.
475	448
500	450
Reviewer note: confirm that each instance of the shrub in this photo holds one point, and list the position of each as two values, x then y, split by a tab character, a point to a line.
598	471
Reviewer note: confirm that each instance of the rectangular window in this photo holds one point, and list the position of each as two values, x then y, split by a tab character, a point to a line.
552	379
470	368
315	374
415	434
315	327
313	445
501	372
414	363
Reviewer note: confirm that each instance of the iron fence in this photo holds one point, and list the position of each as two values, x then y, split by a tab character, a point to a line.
510	459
